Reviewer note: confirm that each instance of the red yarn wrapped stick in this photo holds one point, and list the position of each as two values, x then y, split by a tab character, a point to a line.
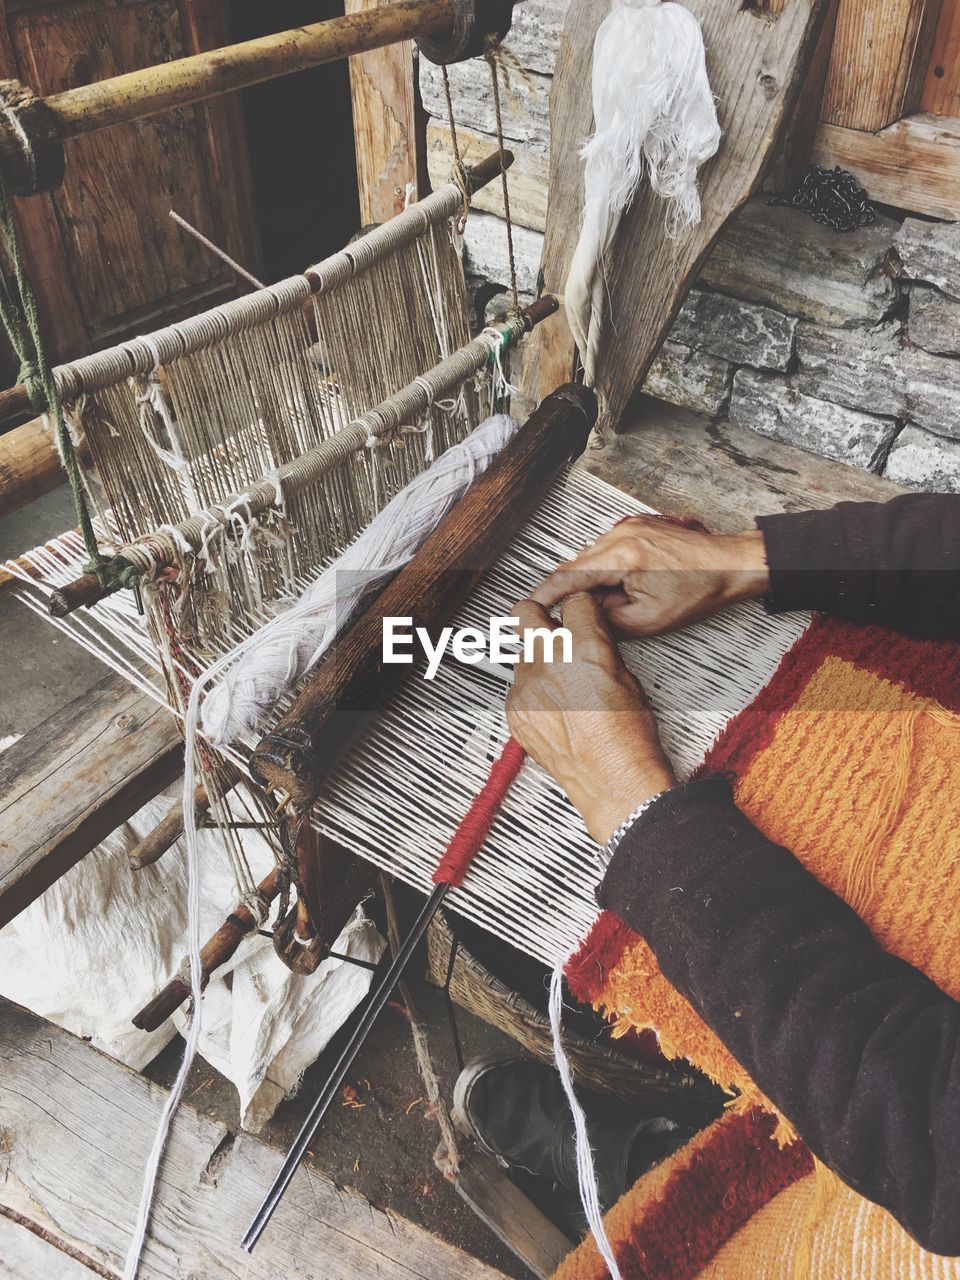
469	837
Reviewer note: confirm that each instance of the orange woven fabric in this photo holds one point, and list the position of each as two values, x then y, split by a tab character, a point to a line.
851	759
848	760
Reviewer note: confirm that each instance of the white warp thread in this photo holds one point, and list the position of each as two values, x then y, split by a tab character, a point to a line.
655	113
266	664
586	1173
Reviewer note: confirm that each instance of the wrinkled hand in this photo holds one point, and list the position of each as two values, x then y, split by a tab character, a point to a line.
654	576
587	722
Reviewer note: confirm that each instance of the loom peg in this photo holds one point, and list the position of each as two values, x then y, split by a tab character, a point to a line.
213	954
167	832
352	680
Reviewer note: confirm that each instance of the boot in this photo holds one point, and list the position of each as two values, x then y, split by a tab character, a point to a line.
515	1109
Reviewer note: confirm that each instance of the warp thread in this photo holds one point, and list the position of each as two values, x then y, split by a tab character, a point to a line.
452	869
655	114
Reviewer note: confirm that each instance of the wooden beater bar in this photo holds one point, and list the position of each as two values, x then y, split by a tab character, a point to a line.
352	680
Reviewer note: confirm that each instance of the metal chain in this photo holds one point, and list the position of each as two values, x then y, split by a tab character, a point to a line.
833	198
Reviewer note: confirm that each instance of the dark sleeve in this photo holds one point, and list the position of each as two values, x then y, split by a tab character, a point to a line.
858	1049
896	564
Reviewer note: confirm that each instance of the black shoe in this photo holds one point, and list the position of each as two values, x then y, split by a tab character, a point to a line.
516	1110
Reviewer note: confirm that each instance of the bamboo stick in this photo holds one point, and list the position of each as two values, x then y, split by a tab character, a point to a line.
167	85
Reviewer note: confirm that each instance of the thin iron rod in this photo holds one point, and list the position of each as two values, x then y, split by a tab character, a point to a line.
216	250
319	1109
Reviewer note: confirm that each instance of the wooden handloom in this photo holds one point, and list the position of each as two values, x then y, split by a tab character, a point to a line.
757	55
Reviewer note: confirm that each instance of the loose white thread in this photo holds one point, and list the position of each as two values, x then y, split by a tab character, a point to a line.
586	1173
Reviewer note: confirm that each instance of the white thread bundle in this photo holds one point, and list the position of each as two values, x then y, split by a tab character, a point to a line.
655	114
275	657
586	1172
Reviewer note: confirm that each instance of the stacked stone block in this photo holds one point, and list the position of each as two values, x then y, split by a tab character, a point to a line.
845	344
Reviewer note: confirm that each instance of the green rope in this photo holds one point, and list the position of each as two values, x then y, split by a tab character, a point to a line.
22	322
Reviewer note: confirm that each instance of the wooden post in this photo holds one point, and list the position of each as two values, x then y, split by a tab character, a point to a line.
352	680
29	465
383	92
879	64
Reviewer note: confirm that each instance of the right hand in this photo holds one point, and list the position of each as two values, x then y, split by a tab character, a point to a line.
653	576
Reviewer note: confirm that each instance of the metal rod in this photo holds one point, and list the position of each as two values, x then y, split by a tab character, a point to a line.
137	94
216	250
319	1109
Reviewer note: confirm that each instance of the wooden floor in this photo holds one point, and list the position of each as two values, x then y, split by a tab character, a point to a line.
75	1129
75	1126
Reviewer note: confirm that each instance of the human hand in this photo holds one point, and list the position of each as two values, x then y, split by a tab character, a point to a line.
654	576
588	722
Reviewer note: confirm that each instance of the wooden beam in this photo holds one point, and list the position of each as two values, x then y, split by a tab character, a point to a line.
76	1127
757	65
725	475
914	164
29	465
73	779
383	92
941	90
879	63
26	1255
511	1216
791	159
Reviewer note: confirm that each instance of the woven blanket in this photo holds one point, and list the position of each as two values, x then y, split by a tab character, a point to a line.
850	758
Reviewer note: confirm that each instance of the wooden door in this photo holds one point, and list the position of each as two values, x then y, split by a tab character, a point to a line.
105	256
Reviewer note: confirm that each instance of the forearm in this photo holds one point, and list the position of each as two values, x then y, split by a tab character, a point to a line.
855	1047
894	564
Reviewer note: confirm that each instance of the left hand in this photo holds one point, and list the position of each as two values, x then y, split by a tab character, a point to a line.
588	722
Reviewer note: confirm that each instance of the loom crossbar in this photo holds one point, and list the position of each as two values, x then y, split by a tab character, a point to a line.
323	458
140	355
34	129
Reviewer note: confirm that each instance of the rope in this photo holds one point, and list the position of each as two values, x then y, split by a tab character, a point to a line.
21	320
459	175
492	59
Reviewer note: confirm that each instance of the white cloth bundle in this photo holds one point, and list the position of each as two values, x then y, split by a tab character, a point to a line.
271	660
653	112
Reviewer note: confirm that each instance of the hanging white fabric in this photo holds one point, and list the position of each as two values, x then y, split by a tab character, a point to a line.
654	114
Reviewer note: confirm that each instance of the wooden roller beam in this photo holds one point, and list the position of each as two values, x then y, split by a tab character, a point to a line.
352	681
29	466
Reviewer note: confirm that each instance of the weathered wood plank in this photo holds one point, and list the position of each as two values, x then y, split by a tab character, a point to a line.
879	62
384	125
27	1256
511	1216
528	174
76	1129
722	474
941	91
29	465
915	164
73	779
757	65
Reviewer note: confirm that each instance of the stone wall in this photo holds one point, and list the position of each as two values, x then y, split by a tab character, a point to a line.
847	345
